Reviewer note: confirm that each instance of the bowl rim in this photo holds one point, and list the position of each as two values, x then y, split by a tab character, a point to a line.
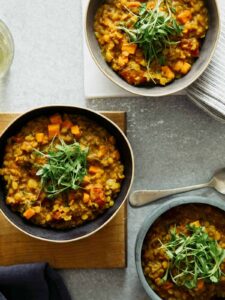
9	36
162	92
152	217
21	115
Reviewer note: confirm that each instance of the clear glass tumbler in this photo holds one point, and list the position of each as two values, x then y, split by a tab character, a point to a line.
6	49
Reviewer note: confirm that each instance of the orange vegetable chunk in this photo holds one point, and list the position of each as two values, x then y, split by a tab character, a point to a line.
94	169
75	130
29	213
184	16
53	130
86	197
39	137
130	48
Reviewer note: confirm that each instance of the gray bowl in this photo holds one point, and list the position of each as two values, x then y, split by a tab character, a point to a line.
89	228
197	69
149	222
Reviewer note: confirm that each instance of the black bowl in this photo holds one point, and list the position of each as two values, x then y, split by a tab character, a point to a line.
91	227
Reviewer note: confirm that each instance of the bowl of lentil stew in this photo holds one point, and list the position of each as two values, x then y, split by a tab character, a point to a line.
178	58
41	191
165	264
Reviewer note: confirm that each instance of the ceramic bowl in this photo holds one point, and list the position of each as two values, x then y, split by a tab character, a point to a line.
152	217
177	85
88	228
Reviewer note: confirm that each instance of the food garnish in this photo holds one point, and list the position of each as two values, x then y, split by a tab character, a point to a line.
154	30
65	167
193	258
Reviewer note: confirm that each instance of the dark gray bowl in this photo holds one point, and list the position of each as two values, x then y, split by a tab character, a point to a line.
149	222
197	69
92	226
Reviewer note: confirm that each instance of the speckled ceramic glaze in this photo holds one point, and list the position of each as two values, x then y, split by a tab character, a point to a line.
89	228
152	218
197	69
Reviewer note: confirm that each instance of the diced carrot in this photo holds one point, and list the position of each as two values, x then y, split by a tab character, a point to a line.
94	169
167	72
178	65
186	67
130	48
200	284
184	16
168	285
133	4
53	130
196	223
75	130
86	197
56	119
67	124
29	213
39	137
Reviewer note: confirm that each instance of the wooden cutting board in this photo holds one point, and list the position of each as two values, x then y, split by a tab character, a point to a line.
105	249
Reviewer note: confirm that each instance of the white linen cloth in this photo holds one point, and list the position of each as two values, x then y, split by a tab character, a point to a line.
208	92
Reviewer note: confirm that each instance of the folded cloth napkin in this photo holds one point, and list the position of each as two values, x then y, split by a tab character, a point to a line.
31	282
208	92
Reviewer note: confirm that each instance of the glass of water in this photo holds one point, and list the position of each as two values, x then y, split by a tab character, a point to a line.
6	49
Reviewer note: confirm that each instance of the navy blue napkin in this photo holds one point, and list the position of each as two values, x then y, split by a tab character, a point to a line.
31	282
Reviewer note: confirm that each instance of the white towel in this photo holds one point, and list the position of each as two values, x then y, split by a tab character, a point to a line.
208	92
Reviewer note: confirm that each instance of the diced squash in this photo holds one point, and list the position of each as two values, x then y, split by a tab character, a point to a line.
200	284
185	68
86	197
56	119
184	16
130	48
53	130
75	130
178	65
67	124
167	72
133	4
94	169
39	137
195	223
29	213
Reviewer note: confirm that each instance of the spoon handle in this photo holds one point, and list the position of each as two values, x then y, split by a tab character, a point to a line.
142	197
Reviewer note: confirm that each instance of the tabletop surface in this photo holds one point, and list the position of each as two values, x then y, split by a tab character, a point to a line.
174	142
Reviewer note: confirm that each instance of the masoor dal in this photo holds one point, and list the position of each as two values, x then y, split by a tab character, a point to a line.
98	190
155	261
129	61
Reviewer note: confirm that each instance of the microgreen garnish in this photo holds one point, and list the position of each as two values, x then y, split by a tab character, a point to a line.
65	167
153	30
193	257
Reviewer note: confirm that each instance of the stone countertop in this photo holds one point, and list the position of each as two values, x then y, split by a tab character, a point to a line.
175	144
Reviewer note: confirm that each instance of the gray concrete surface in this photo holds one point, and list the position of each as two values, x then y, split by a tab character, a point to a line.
175	144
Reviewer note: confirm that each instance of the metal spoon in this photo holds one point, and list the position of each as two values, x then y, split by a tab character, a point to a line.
143	197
